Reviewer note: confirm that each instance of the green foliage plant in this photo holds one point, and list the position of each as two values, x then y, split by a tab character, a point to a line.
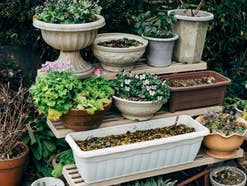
141	87
68	11
53	93
95	93
154	24
223	123
44	146
153	181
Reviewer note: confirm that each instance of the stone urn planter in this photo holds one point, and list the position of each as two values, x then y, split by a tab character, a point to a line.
70	39
80	120
137	110
117	59
227	176
160	50
192	33
11	170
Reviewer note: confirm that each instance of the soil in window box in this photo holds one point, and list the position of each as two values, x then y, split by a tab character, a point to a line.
132	137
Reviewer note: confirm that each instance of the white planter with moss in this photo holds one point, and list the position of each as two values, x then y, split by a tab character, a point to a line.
137	110
118	59
70	39
192	33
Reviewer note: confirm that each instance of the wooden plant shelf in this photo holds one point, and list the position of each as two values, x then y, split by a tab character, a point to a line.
113	118
72	176
173	68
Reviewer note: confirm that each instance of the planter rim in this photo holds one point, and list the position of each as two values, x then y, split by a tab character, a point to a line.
175	37
69	27
202	131
136	102
22	155
199	118
226	81
205	16
56	180
231	168
117	36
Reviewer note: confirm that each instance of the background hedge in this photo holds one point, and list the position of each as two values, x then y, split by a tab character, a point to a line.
225	48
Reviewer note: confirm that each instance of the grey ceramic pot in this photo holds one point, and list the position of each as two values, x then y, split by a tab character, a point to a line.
160	50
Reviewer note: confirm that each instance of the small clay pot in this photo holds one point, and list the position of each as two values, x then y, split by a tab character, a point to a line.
80	120
11	170
221	146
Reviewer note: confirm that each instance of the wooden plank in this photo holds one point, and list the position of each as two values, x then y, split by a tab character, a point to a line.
113	119
175	67
199	161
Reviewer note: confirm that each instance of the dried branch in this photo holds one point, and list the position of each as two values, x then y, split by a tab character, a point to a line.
15	114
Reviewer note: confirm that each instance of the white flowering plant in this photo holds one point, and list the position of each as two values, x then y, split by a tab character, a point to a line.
140	87
68	11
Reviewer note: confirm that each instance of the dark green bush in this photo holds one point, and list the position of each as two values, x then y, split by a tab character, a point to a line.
225	48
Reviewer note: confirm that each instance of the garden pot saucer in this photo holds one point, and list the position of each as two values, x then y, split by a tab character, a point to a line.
220	155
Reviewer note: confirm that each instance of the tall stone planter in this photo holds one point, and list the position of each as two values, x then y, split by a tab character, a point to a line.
70	39
192	33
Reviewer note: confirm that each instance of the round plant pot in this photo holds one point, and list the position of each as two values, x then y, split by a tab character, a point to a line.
233	169
118	59
80	120
192	33
49	181
137	110
11	170
70	39
160	50
221	146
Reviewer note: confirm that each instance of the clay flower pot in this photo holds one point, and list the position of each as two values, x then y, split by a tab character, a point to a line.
118	59
221	146
70	39
80	120
11	170
137	110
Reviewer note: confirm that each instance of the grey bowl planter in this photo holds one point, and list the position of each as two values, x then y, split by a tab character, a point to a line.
234	169
160	50
192	33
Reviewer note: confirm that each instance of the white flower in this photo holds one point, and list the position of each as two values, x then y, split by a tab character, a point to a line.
152	93
159	98
146	82
127	89
142	76
127	81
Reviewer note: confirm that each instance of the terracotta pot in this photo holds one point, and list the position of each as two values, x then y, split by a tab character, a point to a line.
197	96
11	170
221	146
80	120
